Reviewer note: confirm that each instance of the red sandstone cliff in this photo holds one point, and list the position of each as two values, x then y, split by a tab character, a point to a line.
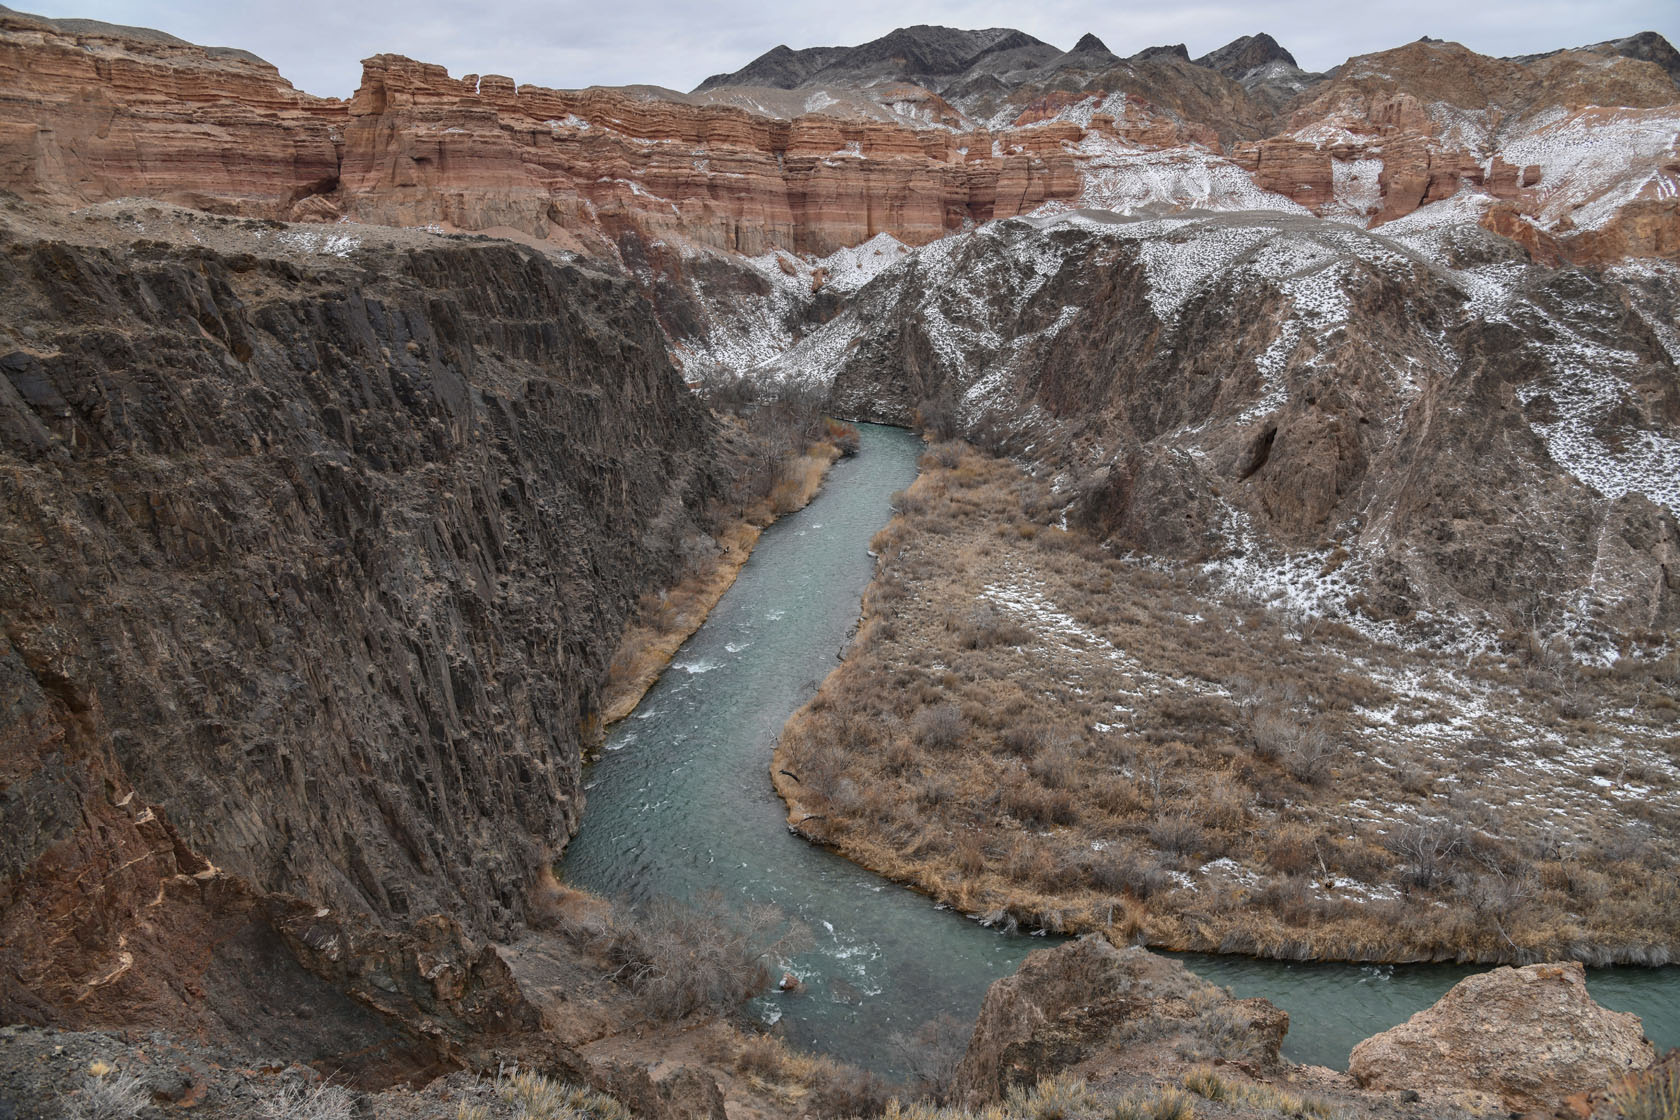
89	115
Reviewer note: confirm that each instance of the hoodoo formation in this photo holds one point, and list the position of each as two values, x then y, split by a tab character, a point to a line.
1294	569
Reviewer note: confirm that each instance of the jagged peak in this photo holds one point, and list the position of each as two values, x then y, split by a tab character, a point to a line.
1159	54
1089	42
1241	55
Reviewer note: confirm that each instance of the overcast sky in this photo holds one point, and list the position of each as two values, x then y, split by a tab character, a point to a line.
318	44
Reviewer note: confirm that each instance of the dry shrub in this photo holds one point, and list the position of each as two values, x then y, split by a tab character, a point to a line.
1010	743
304	1098
1309	757
1168	1104
939	728
1056	768
1178	834
986	627
107	1094
1427	847
1292	849
1654	1095
1035	806
935	790
679	958
1023	740
1117	796
946	456
842	435
796	483
932	1052
1062	1097
537	1097
899	759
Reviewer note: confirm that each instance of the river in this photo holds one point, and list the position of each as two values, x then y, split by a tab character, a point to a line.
680	803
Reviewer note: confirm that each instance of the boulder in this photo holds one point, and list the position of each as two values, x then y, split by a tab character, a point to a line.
1529	1036
1079	1002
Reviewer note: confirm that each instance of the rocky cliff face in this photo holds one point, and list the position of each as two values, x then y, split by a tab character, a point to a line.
316	536
322	544
1215	388
918	135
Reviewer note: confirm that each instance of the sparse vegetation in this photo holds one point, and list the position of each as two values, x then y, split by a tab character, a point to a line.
1033	728
301	1097
932	1053
681	958
814	1084
107	1093
783	447
1167	1104
536	1097
1208	1083
1654	1095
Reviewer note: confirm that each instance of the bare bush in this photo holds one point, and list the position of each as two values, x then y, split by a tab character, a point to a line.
938	418
1308	758
1427	846
986	627
1177	834
106	1094
1305	752
932	1053
1056	768
1023	740
679	958
939	728
1036	806
302	1098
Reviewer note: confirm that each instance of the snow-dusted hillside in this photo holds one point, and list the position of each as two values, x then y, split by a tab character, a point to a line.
1474	439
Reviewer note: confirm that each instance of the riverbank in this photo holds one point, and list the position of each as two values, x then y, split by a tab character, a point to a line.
664	621
1034	731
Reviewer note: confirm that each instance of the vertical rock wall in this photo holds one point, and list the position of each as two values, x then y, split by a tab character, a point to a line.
326	562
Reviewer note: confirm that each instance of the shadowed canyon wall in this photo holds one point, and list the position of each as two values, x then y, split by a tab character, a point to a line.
328	561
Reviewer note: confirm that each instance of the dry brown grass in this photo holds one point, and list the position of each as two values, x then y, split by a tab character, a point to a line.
1033	729
794	1082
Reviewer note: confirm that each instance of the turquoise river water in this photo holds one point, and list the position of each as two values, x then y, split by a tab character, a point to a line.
680	803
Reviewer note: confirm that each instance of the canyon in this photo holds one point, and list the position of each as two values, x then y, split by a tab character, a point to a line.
342	440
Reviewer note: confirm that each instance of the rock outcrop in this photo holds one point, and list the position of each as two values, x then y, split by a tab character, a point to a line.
1528	1037
415	146
1075	1005
1243	55
102	112
1292	375
922	133
321	545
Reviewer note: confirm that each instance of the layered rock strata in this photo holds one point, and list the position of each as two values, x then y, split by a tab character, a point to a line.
94	113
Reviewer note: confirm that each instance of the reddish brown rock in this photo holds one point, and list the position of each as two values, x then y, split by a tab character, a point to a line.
93	115
98	114
1299	171
1507	220
1529	1037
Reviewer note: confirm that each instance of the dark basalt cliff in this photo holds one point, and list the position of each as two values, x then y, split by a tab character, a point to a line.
326	559
1209	385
